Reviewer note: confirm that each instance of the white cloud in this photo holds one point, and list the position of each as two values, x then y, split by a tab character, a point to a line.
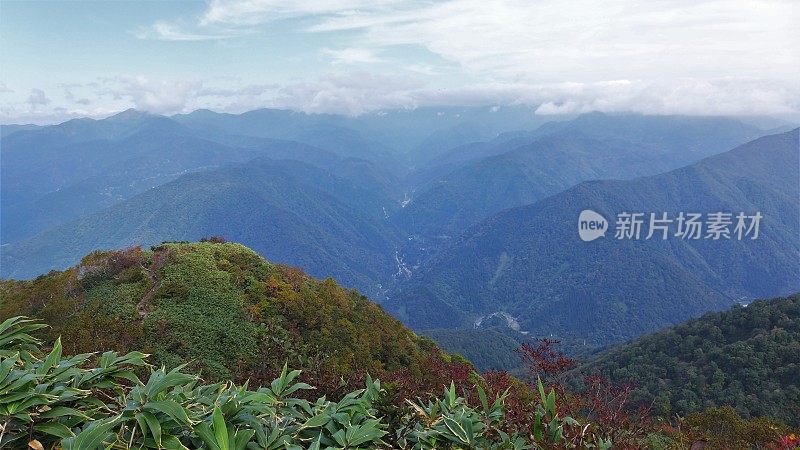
352	93
352	56
156	96
683	56
255	11
244	91
37	98
165	31
727	57
363	92
586	40
424	69
681	96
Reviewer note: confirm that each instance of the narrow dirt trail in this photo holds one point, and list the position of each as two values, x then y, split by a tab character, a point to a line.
144	303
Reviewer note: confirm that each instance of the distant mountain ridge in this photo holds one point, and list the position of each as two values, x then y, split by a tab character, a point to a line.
284	209
520	168
530	263
55	174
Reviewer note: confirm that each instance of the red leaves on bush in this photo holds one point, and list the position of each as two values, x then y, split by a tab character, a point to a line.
436	374
125	258
790	442
214	239
543	361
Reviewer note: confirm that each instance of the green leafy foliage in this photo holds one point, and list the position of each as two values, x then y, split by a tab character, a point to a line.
489	349
47	400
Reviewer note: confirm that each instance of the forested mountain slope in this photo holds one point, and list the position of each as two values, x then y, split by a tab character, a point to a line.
516	169
747	357
55	174
530	263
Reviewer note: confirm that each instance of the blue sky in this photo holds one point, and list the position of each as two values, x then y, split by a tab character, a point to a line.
68	59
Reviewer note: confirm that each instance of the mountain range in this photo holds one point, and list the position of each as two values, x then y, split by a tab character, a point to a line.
445	215
286	209
516	169
528	263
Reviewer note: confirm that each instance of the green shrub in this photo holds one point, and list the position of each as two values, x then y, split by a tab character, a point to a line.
86	402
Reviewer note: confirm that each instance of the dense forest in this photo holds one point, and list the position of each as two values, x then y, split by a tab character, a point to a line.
494	348
746	357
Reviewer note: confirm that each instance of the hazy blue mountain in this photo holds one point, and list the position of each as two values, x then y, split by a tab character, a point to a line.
520	168
58	173
330	132
288	210
7	129
530	263
84	129
440	166
72	171
45	189
461	126
415	127
413	136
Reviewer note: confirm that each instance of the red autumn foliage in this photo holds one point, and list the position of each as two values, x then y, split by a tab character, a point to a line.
438	373
606	405
125	258
214	239
791	442
520	405
543	361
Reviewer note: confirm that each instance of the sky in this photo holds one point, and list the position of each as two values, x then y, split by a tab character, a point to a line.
66	59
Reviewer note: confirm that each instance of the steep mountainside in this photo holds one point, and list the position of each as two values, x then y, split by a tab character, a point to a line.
530	263
492	349
221	307
747	357
58	173
37	199
285	210
520	168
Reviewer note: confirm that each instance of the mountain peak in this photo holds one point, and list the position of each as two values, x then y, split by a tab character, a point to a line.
129	114
201	288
